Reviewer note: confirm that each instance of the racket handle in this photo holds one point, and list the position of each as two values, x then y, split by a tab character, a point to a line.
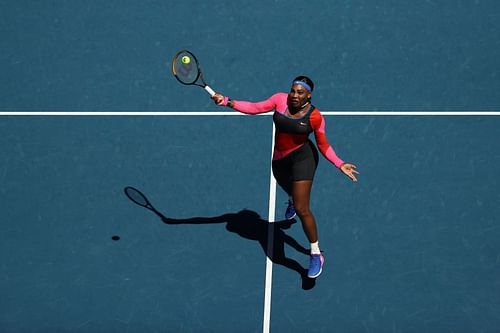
210	91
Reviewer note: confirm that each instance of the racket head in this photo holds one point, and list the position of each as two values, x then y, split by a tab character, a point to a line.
137	197
185	68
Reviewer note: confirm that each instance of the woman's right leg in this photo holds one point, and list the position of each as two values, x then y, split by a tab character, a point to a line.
282	174
283	177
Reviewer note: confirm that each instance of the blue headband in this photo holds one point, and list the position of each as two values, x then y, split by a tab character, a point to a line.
303	84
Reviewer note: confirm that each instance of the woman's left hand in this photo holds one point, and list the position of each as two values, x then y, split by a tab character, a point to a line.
350	171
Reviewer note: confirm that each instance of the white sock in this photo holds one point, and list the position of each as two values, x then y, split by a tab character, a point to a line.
315	248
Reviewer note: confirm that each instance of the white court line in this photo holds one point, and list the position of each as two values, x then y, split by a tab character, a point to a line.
270	246
122	113
235	113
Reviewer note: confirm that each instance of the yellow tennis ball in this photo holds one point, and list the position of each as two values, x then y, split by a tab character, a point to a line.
186	60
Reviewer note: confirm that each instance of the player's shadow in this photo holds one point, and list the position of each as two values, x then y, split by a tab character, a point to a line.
248	224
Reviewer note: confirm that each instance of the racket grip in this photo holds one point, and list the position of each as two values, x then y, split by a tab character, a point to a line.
210	91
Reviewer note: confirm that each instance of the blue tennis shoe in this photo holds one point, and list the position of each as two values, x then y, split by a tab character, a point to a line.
290	211
315	265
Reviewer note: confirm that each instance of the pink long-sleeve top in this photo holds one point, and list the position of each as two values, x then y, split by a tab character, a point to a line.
291	133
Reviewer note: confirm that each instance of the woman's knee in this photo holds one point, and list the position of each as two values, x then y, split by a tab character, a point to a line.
302	210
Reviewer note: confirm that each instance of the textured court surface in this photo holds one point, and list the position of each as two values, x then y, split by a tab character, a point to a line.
412	247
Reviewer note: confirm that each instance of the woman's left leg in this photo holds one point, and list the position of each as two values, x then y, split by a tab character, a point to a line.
303	175
301	199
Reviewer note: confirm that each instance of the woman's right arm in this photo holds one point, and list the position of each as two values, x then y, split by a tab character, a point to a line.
245	106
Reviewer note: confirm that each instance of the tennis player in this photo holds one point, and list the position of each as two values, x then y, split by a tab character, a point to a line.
295	157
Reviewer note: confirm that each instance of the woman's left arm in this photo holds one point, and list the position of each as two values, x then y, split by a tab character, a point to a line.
318	125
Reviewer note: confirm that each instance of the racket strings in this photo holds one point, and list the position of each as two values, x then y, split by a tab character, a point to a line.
186	72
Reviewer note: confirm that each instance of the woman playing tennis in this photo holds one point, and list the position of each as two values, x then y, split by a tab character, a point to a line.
295	157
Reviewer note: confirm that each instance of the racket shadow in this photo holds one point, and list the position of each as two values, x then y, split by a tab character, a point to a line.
249	225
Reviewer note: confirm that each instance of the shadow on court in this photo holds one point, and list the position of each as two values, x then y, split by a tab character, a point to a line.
248	224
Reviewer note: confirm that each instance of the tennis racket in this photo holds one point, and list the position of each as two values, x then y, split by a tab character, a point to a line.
187	70
140	199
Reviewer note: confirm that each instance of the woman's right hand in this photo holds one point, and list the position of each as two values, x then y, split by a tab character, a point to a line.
218	98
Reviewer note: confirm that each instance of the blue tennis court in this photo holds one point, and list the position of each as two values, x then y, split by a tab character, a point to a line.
411	247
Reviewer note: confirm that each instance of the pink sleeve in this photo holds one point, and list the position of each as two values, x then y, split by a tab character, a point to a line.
258	107
318	124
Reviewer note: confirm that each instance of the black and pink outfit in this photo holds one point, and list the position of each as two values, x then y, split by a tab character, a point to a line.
295	157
